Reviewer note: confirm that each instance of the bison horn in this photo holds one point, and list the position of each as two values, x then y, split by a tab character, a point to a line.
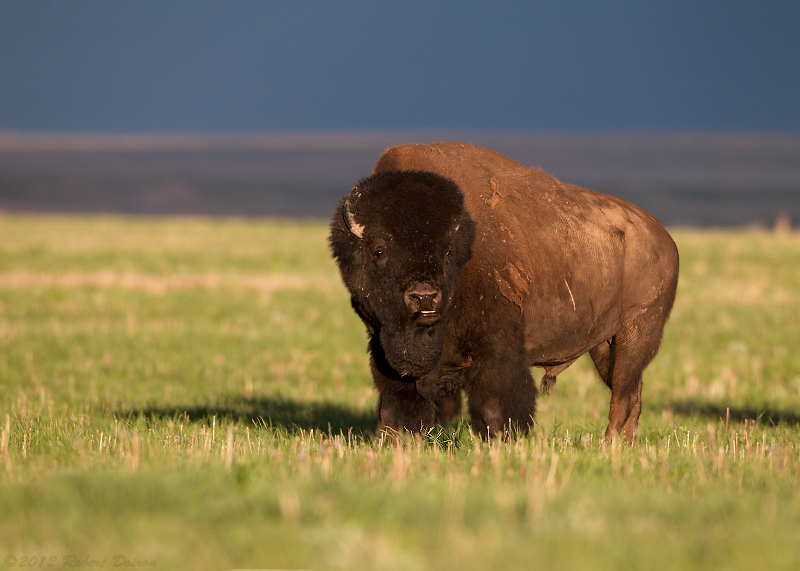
350	221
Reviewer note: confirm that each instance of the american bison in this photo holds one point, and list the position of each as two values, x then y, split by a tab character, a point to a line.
468	268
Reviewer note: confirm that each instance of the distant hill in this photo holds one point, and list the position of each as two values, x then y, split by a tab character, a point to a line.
682	179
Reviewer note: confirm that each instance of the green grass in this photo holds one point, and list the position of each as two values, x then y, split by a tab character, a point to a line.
195	394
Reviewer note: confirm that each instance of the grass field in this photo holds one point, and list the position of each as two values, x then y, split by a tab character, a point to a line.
194	394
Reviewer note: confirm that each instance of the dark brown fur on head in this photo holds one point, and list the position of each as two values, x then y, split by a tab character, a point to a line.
395	230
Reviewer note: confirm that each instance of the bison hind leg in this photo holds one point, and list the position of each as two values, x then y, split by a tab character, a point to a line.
603	360
623	376
621	364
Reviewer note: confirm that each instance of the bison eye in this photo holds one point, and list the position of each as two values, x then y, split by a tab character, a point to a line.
379	252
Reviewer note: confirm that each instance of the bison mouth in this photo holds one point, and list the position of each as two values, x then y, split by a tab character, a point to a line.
426	318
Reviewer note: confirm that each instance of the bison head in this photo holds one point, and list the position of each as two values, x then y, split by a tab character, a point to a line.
401	240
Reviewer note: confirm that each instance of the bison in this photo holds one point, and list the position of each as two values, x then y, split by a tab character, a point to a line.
468	268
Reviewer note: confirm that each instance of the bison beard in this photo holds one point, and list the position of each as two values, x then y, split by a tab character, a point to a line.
410	351
528	272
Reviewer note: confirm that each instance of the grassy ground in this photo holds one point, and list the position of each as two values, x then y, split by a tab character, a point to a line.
194	394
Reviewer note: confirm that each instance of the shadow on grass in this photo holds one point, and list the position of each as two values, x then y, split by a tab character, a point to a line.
269	411
716	411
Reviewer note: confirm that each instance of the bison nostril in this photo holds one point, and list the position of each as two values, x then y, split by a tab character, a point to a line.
427	302
423	297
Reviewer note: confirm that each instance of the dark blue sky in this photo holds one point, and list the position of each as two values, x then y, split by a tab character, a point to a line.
293	65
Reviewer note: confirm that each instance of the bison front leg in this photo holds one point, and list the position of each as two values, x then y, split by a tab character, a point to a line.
401	408
502	397
400	405
448	407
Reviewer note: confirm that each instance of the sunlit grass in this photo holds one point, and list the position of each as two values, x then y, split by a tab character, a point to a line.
196	393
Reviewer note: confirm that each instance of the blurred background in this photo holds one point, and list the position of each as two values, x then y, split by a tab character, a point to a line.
276	108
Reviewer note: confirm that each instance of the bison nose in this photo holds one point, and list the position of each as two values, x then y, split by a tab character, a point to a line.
423	298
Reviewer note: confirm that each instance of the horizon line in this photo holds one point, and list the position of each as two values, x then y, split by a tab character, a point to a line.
15	140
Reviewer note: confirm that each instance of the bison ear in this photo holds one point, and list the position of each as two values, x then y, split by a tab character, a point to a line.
349	219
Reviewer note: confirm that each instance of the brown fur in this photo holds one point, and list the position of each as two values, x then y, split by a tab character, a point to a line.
556	271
